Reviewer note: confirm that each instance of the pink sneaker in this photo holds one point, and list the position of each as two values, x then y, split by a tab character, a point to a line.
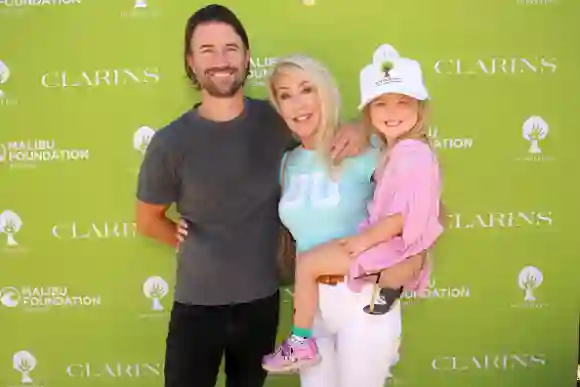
294	353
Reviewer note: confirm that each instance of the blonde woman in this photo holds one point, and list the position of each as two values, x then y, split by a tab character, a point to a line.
403	218
321	202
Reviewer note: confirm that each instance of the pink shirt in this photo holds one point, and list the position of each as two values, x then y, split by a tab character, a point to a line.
409	185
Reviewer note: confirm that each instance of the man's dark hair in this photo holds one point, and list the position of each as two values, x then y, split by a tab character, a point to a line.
213	13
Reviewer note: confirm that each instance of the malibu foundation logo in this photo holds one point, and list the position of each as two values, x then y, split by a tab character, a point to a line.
4	76
10	226
260	68
32	298
24	362
155	289
31	153
529	280
5	98
436	291
450	143
142	137
9	297
535	130
140	9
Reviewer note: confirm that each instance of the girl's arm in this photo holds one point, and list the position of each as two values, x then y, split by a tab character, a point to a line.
415	173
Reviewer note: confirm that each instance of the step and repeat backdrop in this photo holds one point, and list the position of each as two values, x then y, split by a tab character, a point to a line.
84	84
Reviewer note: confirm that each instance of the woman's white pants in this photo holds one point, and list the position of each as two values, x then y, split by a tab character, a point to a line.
357	349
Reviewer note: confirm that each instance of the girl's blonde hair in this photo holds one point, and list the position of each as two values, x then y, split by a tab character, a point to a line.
328	93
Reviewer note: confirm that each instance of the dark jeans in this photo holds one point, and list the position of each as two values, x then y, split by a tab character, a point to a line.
199	336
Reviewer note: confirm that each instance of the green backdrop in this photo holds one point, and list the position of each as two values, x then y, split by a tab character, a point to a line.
85	302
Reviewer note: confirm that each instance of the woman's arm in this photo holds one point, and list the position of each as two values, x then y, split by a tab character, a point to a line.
382	231
403	273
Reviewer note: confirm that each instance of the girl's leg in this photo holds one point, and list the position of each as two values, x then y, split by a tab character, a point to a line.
327	259
300	349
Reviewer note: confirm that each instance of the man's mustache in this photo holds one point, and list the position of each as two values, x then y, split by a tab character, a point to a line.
213	70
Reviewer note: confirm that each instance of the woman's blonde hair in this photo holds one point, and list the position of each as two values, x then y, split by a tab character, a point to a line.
328	93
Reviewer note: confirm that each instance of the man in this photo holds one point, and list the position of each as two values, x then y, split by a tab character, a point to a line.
219	162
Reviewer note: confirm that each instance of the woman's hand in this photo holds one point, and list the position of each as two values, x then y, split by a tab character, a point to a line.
181	230
355	244
402	273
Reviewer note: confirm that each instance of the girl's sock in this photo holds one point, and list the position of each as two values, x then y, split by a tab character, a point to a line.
302	332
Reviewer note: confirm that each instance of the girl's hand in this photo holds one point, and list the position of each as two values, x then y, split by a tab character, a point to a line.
181	230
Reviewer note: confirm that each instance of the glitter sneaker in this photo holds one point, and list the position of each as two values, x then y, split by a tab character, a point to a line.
293	354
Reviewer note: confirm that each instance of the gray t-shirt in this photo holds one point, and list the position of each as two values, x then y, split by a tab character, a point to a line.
224	178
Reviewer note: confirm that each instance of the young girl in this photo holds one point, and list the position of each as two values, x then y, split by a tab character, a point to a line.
405	203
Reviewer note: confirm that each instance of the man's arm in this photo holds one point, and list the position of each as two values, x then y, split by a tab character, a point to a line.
158	188
153	222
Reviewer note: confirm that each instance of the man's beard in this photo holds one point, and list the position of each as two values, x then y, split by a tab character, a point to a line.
228	91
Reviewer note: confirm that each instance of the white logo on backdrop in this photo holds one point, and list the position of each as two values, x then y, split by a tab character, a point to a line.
529	279
28	153
10	224
441	142
140	4
37	3
9	297
142	137
534	130
37	297
435	290
260	67
24	362
4	76
155	288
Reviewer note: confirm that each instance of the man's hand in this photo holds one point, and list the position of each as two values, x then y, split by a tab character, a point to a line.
153	222
351	140
401	274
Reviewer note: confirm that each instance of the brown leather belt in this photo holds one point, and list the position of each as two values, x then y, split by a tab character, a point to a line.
330	279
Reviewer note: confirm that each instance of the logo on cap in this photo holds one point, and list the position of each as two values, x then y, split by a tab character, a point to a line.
386	67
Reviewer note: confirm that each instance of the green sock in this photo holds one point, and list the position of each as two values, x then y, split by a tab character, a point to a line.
302	332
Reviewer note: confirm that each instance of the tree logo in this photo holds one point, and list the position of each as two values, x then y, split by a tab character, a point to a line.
142	137
4	76
534	130
10	224
530	279
155	288
24	363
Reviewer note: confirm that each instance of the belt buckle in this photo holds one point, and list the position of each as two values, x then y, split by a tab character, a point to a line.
331	280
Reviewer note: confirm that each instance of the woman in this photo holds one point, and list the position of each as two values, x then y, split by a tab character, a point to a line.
322	201
403	217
